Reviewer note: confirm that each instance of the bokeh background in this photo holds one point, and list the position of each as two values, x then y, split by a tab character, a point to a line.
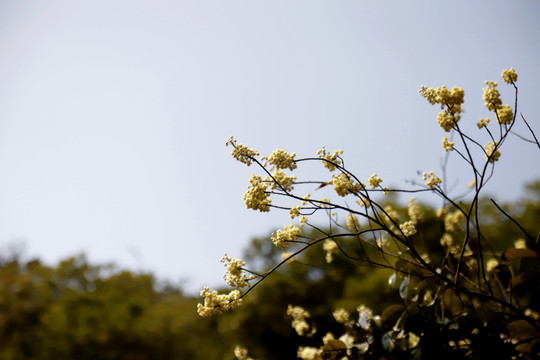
114	115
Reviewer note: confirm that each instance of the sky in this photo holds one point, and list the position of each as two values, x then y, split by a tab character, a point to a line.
114	114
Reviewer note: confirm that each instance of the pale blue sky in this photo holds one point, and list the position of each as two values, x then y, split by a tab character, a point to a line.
114	114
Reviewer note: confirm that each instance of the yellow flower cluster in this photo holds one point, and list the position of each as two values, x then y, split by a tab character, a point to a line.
491	96
447	145
491	264
331	248
520	244
282	160
447	240
452	220
408	228
344	184
352	222
363	202
295	211
483	122
331	159
492	154
241	353
414	211
241	152
281	178
431	180
309	353
509	76
235	276
282	238
493	102
505	114
374	181
342	316
299	323
450	101
216	304
256	197
391	216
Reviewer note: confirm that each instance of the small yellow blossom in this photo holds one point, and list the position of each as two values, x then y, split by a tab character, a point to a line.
374	181
281	180
492	154
256	197
491	264
326	338
287	256
472	183
342	316
306	198
344	184
441	212
446	120
520	244
391	216
282	238
447	145
235	276
352	222
431	180
282	160
483	122
241	152
299	323
331	248
303	220
453	220
413	209
450	102
330	161
446	240
491	96
531	313
308	353
364	202
295	211
504	114
216	304
408	228
509	76
241	353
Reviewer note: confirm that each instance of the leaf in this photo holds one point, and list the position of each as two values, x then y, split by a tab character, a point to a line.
526	277
404	287
391	315
334	349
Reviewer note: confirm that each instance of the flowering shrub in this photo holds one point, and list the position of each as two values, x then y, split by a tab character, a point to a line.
460	295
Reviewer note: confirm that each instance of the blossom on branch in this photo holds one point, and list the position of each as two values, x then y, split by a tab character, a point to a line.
216	304
235	276
241	152
257	198
282	160
282	238
431	180
344	184
492	154
509	76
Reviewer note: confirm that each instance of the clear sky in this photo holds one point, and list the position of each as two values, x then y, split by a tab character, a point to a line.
114	114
